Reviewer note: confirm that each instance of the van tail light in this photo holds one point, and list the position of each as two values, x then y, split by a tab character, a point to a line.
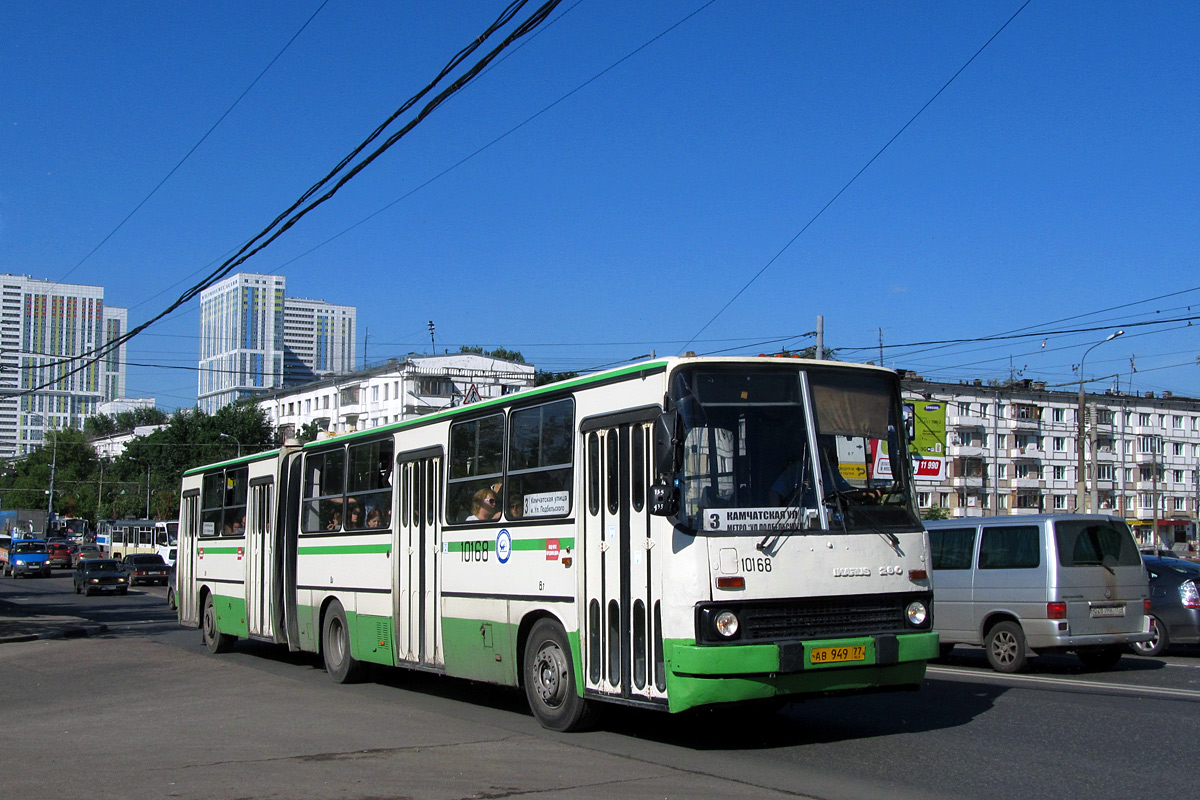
1146	605
1189	595
1056	610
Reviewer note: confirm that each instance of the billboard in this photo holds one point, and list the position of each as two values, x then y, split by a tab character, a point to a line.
926	424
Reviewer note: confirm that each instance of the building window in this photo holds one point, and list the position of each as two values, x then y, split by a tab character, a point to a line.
1060	415
1144	420
1060	472
1060	444
1060	502
1104	472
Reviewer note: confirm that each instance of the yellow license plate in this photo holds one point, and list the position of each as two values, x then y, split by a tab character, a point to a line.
832	655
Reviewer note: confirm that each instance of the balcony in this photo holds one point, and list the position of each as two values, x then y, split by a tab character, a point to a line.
1024	423
967	482
1025	483
965	421
1029	451
968	450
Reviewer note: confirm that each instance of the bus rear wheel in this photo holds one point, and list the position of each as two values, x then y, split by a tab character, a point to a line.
335	647
549	679
214	640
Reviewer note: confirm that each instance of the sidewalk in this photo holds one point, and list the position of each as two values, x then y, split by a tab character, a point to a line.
18	624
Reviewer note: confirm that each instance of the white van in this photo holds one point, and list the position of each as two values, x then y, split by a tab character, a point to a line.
1040	583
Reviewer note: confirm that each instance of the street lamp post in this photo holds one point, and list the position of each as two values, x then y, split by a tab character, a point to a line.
235	439
1080	477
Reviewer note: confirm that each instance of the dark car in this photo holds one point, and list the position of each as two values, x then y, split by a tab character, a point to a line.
146	568
1174	604
100	575
59	555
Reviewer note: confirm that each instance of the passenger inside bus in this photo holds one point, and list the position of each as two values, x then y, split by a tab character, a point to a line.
484	505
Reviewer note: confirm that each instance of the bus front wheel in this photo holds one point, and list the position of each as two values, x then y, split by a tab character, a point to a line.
335	647
214	640
549	678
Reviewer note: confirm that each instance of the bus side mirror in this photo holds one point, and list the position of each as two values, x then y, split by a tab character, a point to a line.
668	444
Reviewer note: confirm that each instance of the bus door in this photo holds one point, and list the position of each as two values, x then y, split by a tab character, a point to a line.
620	636
417	543
260	557
185	563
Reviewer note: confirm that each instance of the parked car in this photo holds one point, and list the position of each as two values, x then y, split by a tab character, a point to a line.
1174	604
58	555
145	568
1040	583
100	575
79	552
28	557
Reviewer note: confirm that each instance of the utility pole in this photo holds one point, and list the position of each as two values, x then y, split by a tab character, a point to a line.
50	500
432	343
820	354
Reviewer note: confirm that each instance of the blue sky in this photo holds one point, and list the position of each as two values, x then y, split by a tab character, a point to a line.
663	155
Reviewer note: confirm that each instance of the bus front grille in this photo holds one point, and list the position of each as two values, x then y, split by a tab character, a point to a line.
812	618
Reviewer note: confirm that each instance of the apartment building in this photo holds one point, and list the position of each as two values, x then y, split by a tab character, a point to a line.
1013	449
44	328
393	392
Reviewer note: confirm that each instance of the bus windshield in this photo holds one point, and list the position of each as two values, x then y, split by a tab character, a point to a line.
784	450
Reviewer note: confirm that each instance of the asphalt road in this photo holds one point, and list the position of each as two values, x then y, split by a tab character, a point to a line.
144	711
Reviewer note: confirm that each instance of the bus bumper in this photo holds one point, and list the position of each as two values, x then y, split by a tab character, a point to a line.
698	676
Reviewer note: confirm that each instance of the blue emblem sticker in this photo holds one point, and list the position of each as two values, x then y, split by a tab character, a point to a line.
503	545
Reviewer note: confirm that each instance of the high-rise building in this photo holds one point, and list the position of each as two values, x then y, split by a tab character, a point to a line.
46	331
253	339
318	340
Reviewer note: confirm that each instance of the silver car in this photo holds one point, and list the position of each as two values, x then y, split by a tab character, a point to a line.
1040	583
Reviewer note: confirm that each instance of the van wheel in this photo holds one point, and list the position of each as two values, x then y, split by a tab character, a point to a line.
1158	644
214	640
1005	647
549	678
1099	659
335	647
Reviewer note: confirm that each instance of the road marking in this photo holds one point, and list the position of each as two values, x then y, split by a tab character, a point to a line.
1065	683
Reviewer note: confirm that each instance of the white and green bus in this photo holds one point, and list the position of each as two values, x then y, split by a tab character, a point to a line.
677	533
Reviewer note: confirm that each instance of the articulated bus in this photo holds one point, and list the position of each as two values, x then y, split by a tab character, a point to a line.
122	537
678	533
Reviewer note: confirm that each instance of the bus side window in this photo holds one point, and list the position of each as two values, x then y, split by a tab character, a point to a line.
541	445
476	463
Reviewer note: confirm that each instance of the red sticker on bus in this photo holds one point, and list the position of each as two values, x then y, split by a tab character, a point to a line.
552	549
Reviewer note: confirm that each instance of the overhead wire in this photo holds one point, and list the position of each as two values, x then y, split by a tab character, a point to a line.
858	174
295	212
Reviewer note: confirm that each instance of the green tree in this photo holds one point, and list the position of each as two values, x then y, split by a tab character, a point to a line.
541	377
499	352
936	513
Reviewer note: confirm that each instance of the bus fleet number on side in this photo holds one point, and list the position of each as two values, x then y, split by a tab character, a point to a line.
475	551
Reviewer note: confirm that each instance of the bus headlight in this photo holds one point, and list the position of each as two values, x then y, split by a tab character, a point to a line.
917	613
726	624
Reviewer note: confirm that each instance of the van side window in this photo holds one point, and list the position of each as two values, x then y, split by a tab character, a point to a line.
1010	547
952	547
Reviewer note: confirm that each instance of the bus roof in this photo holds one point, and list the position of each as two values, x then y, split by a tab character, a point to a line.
593	379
